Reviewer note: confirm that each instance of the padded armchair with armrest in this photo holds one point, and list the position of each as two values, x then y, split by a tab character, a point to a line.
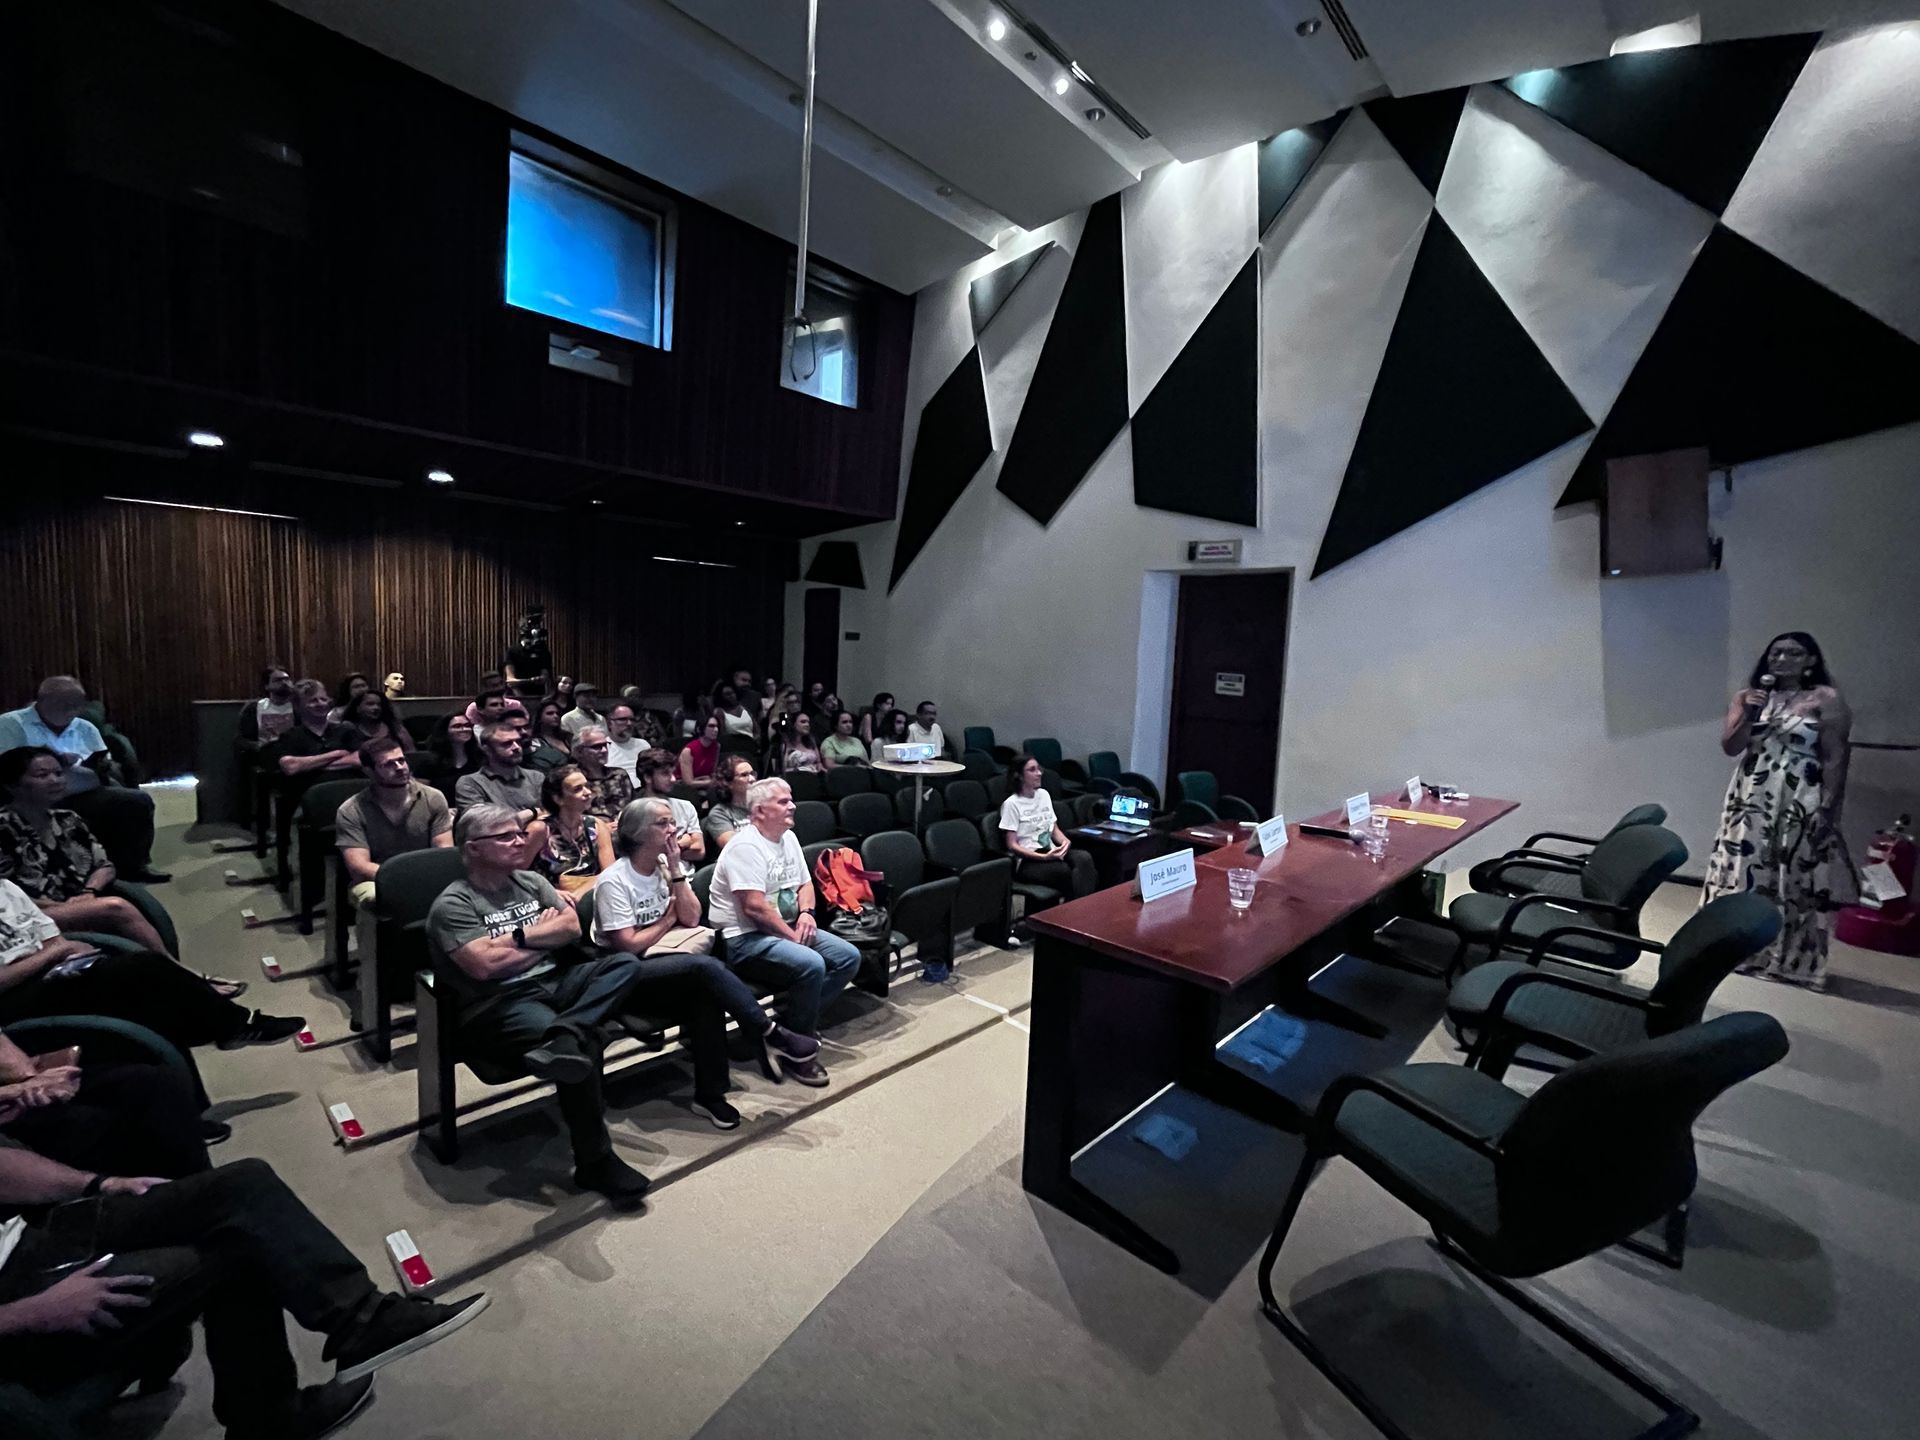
845	780
143	900
932	807
405	890
866	814
1201	785
985	894
313	837
1515	1185
1133	780
966	799
920	910
1187	812
1034	896
980	737
1103	771
813	821
1501	876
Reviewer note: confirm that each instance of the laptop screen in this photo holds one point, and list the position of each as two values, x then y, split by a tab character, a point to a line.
1130	810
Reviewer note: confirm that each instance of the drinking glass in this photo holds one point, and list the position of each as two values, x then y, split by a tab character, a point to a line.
1240	885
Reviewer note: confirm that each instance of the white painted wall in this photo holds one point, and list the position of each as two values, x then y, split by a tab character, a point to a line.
1481	647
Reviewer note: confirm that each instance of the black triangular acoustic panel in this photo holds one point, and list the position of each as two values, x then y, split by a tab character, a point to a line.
953	442
1463	397
1195	437
1692	118
1421	128
837	562
1754	359
1284	161
990	291
1077	401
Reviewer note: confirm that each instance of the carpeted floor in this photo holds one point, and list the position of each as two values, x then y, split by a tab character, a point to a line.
864	1262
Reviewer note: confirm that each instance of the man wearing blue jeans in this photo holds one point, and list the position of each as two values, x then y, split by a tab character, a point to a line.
762	902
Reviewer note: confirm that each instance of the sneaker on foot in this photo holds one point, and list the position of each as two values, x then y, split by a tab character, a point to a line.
215	1132
723	1115
612	1177
264	1029
315	1411
790	1045
936	972
807	1072
399	1325
560	1059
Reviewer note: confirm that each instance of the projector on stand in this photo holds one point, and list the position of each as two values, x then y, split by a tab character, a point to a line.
909	754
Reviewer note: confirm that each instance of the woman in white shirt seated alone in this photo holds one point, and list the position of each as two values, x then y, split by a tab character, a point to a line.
1042	854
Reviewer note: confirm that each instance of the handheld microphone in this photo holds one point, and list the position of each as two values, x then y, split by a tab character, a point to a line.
1767	681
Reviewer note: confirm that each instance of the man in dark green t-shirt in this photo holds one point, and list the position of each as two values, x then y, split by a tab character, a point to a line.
526	996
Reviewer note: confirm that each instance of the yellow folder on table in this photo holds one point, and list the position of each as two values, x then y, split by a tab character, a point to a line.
1421	817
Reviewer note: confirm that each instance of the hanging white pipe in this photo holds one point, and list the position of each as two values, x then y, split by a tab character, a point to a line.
806	197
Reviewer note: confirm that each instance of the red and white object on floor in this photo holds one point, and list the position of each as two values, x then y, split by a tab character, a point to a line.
1885	920
408	1263
305	1040
340	1115
271	966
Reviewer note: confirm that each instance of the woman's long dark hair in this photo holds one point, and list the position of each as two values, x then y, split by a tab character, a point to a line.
540	734
346	684
893	730
1816	673
351	714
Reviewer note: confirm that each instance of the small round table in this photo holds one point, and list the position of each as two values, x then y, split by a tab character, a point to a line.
919	769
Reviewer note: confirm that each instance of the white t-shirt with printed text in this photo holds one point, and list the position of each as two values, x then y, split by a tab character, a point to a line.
1031	819
777	869
624	899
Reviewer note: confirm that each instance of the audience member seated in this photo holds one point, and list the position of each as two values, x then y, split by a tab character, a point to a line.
736	718
586	709
579	843
502	779
234	1247
624	739
814	706
1042	852
645	906
550	744
350	689
842	747
485	707
123	1117
315	744
798	750
762	901
873	718
700	755
729	811
120	815
43	972
393	815
658	774
894	730
369	716
925	729
611	788
563	687
527	996
456	751
693	711
266	719
768	697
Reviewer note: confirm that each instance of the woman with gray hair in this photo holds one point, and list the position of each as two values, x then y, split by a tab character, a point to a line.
645	906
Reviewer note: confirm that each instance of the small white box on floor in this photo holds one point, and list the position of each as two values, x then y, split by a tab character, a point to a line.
408	1263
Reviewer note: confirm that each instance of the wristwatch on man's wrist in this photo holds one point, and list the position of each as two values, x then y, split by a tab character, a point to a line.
519	937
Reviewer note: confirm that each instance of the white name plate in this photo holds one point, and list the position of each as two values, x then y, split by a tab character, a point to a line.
1414	792
1165	876
1269	836
1359	808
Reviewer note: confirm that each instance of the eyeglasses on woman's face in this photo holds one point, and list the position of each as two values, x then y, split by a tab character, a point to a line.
499	836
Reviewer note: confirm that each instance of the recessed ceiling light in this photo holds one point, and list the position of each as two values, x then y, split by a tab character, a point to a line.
439	477
1307	27
1059	84
596	502
206	439
996	29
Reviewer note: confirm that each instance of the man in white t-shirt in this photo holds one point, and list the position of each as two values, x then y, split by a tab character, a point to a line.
924	728
762	902
624	748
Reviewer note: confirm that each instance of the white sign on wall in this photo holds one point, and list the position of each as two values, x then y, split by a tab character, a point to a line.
1229	682
1213	552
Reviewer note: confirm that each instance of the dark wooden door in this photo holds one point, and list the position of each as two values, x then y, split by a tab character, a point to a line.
1230	645
820	642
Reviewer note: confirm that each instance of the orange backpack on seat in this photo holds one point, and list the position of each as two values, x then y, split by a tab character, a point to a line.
841	880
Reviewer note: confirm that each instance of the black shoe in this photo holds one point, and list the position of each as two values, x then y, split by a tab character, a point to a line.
315	1411
641	1028
215	1132
560	1059
147	875
399	1325
612	1177
790	1045
723	1115
807	1072
264	1029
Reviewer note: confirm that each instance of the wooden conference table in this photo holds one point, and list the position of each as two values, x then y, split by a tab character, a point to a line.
1129	998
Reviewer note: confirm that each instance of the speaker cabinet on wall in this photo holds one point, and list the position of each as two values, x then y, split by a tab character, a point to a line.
1653	520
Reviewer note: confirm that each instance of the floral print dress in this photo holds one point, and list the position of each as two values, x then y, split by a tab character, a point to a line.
1774	840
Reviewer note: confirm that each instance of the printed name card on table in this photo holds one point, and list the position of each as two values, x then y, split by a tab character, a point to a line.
1413	790
1269	836
1359	808
1165	876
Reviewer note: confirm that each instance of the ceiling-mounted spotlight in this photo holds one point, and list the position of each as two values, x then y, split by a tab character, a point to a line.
1306	28
1059	84
996	29
206	439
439	477
596	502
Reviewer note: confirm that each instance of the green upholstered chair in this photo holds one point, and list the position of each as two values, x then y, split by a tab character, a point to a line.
1187	812
867	814
1103	771
314	842
845	780
813	821
985	896
919	909
142	899
1140	785
1516	1185
1202	787
1034	896
807	784
1043	748
405	891
1616	880
1503	876
980	737
966	798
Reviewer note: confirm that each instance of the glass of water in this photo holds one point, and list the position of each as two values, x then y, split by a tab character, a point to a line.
1240	885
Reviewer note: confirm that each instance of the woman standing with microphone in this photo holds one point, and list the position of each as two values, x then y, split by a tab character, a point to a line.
1779	831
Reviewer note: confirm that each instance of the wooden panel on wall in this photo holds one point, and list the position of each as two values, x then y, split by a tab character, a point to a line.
156	606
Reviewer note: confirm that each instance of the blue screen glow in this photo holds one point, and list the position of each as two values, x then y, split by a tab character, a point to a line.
579	255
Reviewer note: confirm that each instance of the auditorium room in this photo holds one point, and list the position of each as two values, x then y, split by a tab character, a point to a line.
935	719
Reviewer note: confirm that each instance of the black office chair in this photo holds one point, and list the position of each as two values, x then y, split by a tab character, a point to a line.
405	891
1615	882
314	842
1133	780
919	910
932	808
734	743
422	727
997	789
1090	808
1035	896
1187	812
980	766
982	902
813	821
1502	876
966	799
1513	1185
867	814
845	780
807	784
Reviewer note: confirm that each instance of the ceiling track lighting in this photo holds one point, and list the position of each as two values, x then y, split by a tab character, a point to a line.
206	439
